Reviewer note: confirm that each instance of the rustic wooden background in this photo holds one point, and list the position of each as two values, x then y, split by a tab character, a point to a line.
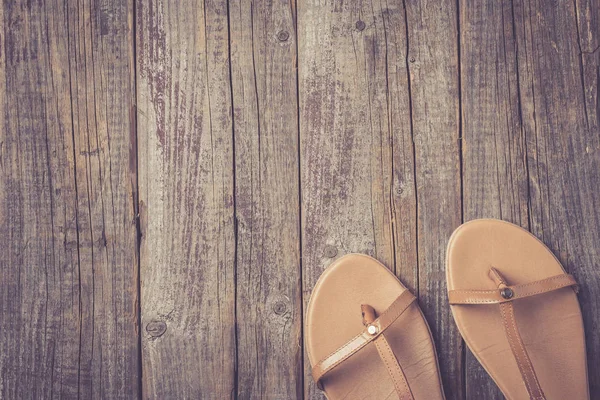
175	175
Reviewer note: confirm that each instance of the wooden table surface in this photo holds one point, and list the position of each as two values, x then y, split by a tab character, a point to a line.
175	175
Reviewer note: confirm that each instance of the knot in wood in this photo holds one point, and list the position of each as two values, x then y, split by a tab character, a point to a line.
279	307
330	251
156	328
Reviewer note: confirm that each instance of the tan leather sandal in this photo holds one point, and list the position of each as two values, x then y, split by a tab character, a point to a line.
517	310
366	336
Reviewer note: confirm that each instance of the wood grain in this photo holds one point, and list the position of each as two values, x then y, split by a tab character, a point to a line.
269	305
268	141
434	80
586	264
495	183
356	148
186	200
67	216
563	147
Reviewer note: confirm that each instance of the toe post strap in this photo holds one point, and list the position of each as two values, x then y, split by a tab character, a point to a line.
505	293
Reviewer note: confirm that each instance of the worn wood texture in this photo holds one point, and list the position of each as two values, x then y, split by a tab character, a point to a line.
532	89
495	183
269	306
186	200
587	152
434	81
358	188
585	263
269	139
68	265
563	146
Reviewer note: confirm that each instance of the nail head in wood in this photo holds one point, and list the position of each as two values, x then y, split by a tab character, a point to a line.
360	25
283	36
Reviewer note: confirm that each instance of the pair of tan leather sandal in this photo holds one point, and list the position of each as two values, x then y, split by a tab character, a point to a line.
512	301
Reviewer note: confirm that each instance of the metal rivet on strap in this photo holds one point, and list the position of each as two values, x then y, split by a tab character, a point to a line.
507	293
372	329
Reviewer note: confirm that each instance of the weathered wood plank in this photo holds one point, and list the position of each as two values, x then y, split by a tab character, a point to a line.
563	146
493	145
269	305
588	29
67	215
434	82
495	183
186	200
357	166
588	20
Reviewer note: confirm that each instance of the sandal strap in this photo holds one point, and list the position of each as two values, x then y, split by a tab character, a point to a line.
513	292
374	331
394	369
504	296
520	352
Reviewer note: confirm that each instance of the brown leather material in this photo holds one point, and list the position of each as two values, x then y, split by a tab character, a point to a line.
404	300
333	318
532	343
338	356
387	355
512	331
394	368
368	314
520	353
494	296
